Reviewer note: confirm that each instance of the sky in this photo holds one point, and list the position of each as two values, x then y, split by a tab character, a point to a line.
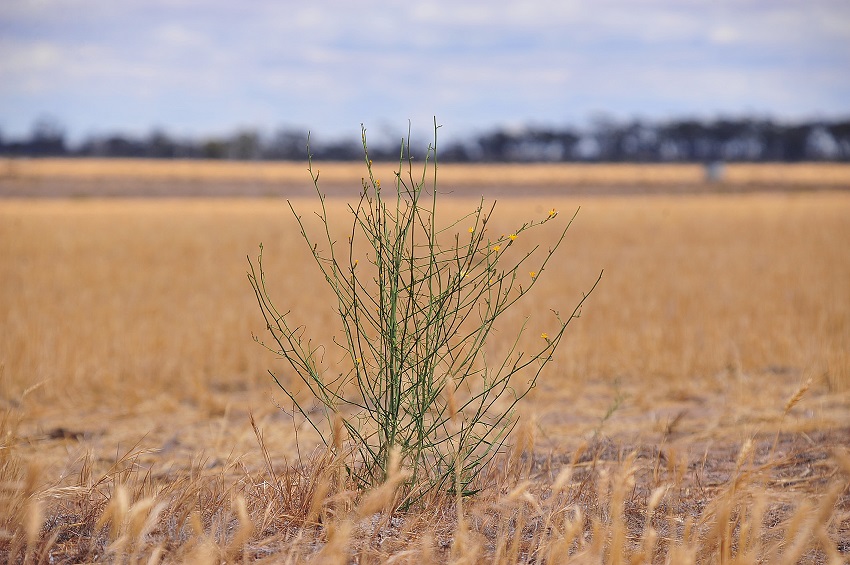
209	67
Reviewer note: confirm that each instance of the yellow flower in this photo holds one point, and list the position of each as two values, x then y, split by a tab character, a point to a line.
512	236
357	361
464	274
496	248
545	336
533	274
471	230
378	183
370	162
552	213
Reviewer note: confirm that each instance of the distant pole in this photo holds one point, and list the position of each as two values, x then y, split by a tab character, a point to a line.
714	171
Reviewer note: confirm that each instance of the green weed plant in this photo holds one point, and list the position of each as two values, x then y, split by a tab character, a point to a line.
415	381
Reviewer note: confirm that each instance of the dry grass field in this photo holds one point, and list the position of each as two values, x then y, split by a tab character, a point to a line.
698	411
141	177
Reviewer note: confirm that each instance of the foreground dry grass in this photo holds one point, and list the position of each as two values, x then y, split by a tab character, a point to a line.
675	425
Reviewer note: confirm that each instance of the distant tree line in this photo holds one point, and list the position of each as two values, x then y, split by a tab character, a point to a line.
685	140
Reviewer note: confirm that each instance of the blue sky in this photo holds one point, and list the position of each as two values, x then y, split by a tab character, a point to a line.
208	67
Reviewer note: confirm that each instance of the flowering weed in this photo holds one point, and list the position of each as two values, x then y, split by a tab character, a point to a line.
415	380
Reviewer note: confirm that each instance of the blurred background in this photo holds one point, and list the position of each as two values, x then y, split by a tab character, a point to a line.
538	80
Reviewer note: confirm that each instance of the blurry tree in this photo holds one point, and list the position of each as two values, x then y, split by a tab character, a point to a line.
794	142
684	140
338	151
214	149
607	135
841	133
161	146
287	145
457	152
821	145
494	146
639	142
111	146
48	138
245	146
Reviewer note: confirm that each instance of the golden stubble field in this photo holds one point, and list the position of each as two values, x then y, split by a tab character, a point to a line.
76	178
674	425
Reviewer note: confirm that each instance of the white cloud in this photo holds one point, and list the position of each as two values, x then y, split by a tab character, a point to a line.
328	64
178	35
28	58
724	35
